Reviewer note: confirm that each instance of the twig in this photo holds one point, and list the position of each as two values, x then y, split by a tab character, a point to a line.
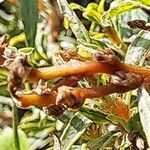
15	127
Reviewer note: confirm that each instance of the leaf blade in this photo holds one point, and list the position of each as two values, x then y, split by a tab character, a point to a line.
138	49
103	141
144	111
75	128
29	19
77	27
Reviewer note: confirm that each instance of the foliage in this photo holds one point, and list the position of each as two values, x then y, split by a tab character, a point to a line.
116	121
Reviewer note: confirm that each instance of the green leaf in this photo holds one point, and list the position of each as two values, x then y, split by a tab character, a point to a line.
117	120
75	128
138	49
37	121
17	39
75	6
3	89
35	57
122	7
75	24
3	73
92	15
75	147
41	41
92	6
144	111
133	122
7	138
101	6
120	23
115	39
29	16
136	53
26	49
94	115
6	100
79	147
104	141
66	23
144	2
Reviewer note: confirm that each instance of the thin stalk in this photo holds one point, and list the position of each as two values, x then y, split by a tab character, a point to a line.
27	87
92	27
15	127
127	97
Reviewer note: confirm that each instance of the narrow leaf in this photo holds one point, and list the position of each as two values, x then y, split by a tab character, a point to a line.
94	115
120	23
29	15
104	141
77	27
144	2
144	111
75	128
3	88
101	6
133	122
122	7
75	6
138	49
92	15
6	140
117	120
92	6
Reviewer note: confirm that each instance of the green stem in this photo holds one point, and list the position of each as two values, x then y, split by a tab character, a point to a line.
27	87
92	27
127	97
15	127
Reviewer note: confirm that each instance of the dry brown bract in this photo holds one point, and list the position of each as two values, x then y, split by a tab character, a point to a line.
71	53
141	24
3	45
14	63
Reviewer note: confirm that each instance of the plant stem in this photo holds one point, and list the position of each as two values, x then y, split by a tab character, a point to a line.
15	127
